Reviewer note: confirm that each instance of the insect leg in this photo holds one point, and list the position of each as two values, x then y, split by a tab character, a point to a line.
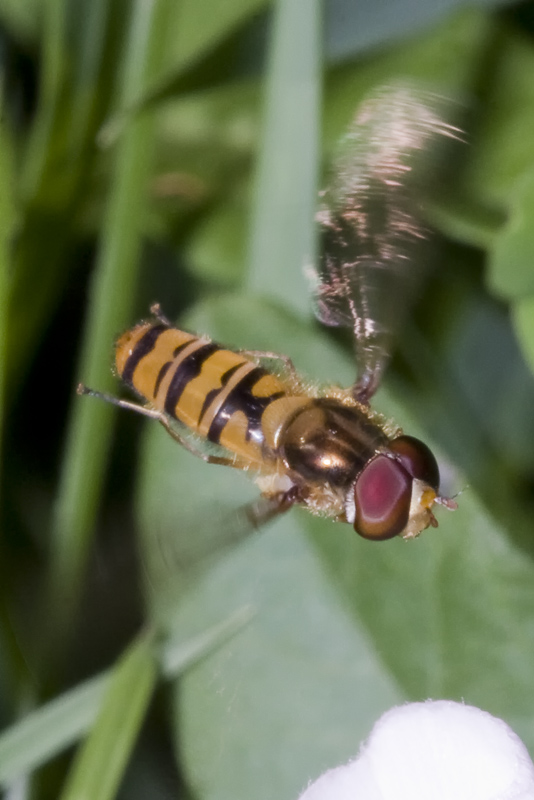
236	527
155	310
364	389
209	459
154	413
264	509
230	530
116	401
287	362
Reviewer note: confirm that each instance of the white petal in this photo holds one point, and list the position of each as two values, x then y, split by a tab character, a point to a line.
433	751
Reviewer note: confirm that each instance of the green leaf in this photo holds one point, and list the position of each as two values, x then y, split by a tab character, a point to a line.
192	61
199	28
523	319
446	59
345	628
503	148
216	251
501	163
293	694
511	257
352	28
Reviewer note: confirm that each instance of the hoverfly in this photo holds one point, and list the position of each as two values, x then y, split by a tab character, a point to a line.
324	449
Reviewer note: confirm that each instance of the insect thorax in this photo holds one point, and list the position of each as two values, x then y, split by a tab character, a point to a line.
328	443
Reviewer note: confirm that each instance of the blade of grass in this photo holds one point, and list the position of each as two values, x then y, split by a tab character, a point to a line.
47	731
8	214
53	73
20	20
87	63
89	66
205	66
99	765
283	230
109	309
8	217
58	162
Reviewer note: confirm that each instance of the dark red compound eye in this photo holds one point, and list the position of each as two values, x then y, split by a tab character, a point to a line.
417	459
382	496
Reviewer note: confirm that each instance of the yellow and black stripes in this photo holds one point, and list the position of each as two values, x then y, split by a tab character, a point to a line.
187	367
142	347
219	394
243	399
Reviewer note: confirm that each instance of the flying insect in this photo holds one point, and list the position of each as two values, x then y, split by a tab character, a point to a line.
322	448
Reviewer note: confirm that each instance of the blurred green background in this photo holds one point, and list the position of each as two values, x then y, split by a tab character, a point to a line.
171	151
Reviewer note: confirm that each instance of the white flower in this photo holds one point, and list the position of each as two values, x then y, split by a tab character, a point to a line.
433	751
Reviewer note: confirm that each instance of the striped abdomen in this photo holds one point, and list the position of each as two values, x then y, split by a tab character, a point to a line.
217	393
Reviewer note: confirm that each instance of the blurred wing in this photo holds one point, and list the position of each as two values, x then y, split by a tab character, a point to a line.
371	222
174	563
